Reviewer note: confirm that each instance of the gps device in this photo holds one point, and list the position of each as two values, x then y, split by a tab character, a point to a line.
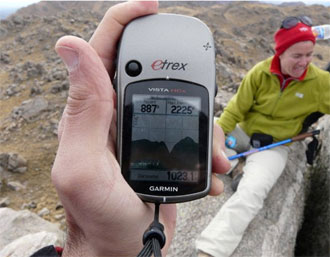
165	84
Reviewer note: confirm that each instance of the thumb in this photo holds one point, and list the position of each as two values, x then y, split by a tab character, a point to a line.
220	163
87	116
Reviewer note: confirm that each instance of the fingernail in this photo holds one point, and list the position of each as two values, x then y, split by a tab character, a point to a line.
224	154
69	56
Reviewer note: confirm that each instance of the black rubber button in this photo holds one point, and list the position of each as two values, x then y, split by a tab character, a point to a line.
133	68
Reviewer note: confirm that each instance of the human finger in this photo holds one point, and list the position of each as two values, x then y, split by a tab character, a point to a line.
220	163
90	105
217	186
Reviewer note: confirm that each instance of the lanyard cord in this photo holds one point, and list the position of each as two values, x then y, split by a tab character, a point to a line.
154	238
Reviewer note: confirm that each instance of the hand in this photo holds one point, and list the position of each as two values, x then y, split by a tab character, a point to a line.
104	215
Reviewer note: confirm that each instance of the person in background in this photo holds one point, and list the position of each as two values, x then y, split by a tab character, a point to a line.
104	215
272	103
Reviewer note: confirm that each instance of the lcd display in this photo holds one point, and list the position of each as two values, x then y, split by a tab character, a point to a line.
165	138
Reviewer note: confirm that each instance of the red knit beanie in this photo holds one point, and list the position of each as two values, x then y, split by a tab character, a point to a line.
284	38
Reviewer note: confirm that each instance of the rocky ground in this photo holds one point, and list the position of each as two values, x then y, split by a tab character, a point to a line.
34	83
32	96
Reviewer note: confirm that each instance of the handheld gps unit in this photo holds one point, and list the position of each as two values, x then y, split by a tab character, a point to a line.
165	84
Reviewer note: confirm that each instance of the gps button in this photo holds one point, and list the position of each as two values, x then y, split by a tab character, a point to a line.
133	68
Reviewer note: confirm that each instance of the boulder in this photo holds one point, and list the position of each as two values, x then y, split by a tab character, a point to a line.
16	163
13	162
30	109
314	236
26	245
273	232
17	224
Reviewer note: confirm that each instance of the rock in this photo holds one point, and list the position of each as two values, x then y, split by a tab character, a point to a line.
28	70
221	99
239	32
15	185
56	89
59	206
314	236
16	163
16	224
4	58
48	127
59	216
48	20
20	170
33	70
4	160
59	74
319	56
4	202
217	105
43	212
12	89
30	109
35	89
3	33
17	78
31	205
17	20
226	72
273	232
60	87
29	244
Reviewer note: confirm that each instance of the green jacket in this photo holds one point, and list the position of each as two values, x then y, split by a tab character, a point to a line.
259	106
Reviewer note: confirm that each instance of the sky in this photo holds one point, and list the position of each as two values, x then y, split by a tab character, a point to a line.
16	3
22	3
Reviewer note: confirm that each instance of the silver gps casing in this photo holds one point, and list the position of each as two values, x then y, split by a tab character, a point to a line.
175	38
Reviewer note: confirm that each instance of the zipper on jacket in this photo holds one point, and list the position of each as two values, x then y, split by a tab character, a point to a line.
282	87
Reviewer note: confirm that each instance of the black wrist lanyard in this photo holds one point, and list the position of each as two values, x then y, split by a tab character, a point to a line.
153	238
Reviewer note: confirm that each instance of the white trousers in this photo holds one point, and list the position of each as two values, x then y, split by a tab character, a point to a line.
261	171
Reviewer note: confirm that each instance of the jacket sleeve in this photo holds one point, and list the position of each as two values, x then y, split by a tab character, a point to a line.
240	103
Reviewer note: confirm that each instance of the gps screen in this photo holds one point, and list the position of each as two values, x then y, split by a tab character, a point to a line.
165	138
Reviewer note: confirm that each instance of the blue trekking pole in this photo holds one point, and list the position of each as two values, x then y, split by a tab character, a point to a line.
296	138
